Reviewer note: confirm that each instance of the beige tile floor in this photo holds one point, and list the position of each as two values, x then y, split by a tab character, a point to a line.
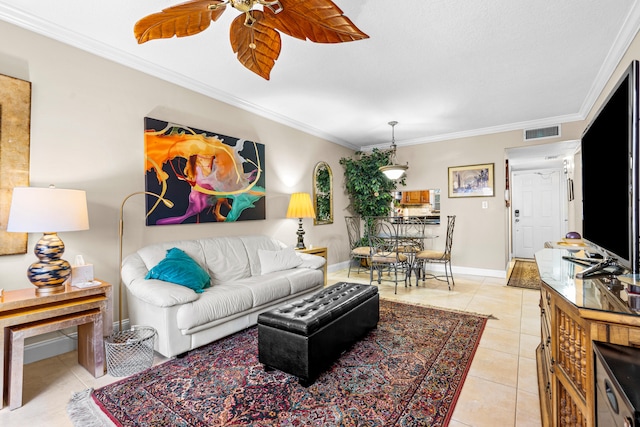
500	389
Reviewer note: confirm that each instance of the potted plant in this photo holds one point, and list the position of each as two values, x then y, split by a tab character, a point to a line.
368	189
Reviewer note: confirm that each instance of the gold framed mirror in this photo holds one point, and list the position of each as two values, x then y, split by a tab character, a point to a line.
323	194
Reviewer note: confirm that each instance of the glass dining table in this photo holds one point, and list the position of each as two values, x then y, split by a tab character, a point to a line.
407	236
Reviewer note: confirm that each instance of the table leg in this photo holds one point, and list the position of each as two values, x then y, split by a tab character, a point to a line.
16	369
90	346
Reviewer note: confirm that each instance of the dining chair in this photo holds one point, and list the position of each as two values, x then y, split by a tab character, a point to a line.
385	256
358	247
411	235
439	257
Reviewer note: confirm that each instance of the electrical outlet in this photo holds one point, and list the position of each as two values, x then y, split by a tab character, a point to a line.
485	205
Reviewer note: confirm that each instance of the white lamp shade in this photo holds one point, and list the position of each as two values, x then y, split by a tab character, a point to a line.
47	210
393	172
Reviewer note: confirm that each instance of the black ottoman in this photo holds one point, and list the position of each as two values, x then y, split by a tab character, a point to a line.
305	337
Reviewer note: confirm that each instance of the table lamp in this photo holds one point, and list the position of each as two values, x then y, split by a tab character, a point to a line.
49	211
300	207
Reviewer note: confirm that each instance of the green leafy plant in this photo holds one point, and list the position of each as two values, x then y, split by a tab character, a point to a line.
368	189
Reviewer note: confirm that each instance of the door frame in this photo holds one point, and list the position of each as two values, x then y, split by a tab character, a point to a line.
564	205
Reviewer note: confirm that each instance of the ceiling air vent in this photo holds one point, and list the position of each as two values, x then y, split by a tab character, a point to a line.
539	133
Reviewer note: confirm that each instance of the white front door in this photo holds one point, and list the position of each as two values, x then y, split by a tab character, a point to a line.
536	212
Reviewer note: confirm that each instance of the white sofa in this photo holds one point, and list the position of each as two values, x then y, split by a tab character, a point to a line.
239	291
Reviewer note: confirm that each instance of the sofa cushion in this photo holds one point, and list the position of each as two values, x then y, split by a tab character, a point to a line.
215	303
255	243
153	254
283	259
302	279
267	288
179	268
226	258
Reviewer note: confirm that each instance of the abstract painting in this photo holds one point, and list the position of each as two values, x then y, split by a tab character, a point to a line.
196	176
15	125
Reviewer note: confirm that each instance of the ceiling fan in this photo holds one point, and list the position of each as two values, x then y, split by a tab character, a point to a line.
254	34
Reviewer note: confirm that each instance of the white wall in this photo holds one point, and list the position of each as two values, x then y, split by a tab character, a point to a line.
87	133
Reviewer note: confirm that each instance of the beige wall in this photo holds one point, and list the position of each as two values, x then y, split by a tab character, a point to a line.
87	133
480	239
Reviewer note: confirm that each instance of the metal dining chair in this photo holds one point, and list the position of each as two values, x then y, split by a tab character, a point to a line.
439	257
358	251
385	256
411	235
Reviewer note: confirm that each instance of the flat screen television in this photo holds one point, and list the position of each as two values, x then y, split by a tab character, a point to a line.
610	175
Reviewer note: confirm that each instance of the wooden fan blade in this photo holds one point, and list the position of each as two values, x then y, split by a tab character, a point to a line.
183	20
320	21
257	46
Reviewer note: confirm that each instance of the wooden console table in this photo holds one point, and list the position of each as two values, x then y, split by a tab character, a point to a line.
574	313
23	306
320	251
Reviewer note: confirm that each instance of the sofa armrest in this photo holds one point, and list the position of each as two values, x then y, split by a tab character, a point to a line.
311	261
155	292
161	293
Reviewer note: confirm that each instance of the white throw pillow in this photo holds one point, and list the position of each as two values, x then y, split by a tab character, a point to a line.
284	259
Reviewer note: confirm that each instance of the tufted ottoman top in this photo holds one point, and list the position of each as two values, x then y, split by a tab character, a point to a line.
307	315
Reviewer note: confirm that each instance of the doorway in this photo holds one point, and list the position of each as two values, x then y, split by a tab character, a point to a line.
537	212
538	191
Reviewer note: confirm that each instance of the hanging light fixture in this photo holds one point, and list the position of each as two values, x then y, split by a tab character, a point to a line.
393	171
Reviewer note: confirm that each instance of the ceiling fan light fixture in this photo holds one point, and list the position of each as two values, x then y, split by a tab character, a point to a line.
254	37
393	171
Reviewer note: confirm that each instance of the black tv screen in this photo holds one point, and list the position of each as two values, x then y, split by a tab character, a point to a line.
610	174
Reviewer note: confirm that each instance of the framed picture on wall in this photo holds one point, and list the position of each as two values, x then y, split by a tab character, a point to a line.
15	125
206	176
471	181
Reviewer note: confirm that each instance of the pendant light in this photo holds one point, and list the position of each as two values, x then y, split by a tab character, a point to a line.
393	171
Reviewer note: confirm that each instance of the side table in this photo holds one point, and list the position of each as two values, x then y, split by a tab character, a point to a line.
22	306
320	251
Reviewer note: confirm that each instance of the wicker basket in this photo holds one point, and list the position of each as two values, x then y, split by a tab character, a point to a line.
130	351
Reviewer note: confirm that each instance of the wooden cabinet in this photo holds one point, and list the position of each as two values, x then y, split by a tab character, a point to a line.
415	197
574	313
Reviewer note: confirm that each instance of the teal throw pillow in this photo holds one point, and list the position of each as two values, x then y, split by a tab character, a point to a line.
179	268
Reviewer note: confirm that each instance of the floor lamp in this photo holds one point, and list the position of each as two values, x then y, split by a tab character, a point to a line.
168	203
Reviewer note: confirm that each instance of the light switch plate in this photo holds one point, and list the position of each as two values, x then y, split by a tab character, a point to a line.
485	205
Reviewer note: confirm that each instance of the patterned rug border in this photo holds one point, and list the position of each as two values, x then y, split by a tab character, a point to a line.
514	284
435	307
86	398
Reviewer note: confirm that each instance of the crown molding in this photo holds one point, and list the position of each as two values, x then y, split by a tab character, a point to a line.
48	29
519	126
625	37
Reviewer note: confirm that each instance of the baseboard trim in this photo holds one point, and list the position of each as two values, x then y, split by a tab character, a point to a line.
502	274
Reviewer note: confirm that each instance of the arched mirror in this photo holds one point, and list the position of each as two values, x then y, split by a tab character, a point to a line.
323	193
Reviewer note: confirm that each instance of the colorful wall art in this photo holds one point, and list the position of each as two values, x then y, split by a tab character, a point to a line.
196	176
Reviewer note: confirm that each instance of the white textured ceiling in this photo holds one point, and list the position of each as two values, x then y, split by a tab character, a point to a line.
441	68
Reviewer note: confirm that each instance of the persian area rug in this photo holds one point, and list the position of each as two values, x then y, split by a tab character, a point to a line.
525	275
406	372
